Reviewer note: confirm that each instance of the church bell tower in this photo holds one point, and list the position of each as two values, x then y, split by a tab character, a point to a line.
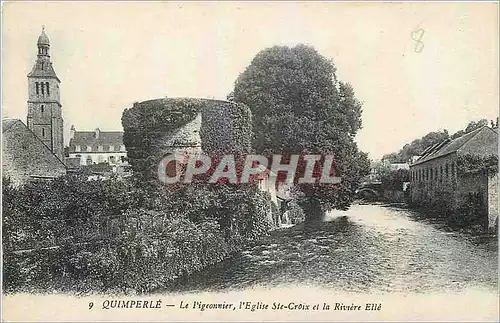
44	106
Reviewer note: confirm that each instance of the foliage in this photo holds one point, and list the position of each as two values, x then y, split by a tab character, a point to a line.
123	234
226	128
65	209
477	164
295	213
137	261
470	212
393	181
148	122
417	146
298	107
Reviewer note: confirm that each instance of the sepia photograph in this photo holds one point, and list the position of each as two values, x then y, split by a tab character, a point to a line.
249	161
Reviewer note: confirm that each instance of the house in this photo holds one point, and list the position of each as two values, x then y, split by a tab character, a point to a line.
435	179
25	157
398	166
88	148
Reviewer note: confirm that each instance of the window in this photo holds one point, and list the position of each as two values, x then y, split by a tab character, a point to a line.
78	148
446	173
89	148
100	148
43	132
453	169
37	88
441	172
432	174
41	85
42	108
47	85
111	148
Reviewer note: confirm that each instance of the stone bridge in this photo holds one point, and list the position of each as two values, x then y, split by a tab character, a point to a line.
369	190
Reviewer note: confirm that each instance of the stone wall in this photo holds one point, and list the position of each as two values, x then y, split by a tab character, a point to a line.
493	202
439	187
451	191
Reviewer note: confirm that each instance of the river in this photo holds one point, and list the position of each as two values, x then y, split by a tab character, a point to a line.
367	248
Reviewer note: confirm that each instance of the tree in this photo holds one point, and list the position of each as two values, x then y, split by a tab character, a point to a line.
476	125
394	180
417	146
299	107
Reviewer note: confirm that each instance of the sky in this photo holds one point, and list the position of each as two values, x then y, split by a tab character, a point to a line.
109	55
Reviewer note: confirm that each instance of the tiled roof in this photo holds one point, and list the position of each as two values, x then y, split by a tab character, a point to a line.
43	39
43	68
446	147
7	123
105	139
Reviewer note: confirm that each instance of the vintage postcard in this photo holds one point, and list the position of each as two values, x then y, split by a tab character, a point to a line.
249	161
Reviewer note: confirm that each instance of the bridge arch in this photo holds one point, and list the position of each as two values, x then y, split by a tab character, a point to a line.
367	193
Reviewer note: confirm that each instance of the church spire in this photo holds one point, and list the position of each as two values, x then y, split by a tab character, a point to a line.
44	106
43	43
43	65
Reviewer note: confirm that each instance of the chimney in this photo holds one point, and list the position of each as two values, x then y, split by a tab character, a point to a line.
72	132
97	131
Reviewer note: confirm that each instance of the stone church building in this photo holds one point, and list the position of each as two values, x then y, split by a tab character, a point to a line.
35	150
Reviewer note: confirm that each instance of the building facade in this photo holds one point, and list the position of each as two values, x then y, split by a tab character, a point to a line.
44	105
435	178
97	147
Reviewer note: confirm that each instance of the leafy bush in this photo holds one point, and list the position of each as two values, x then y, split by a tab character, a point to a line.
147	122
477	164
226	128
138	261
393	181
123	235
295	213
136	234
470	212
